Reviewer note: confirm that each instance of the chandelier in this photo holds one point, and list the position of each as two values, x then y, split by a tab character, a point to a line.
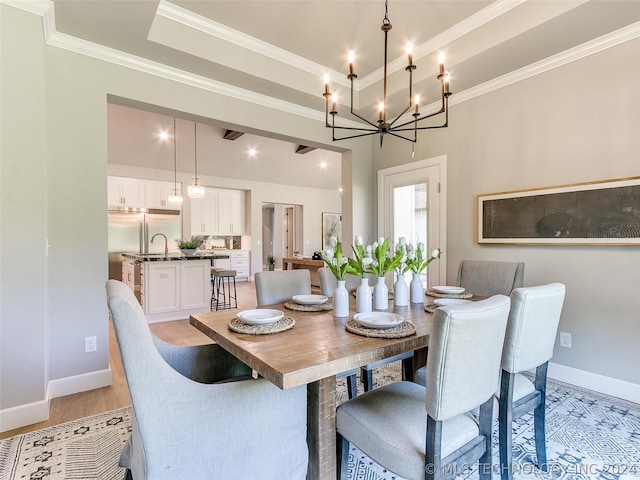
382	125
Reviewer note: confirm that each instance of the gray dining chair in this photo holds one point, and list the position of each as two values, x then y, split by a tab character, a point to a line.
529	341
280	286
196	407
487	278
391	425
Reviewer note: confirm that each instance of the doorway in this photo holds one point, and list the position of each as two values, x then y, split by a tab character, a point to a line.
282	232
412	204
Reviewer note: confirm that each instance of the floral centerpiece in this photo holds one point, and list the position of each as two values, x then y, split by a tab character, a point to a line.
383	263
333	258
359	265
339	265
417	263
400	290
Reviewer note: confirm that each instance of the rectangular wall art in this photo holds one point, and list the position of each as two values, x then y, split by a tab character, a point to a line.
603	213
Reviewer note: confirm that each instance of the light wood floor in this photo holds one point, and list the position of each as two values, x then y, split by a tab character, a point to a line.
79	405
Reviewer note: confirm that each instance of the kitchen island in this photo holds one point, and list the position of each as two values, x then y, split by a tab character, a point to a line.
175	285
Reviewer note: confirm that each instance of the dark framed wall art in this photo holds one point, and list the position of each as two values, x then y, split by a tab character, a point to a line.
602	213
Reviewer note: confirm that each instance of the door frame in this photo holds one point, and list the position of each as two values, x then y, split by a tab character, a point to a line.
437	271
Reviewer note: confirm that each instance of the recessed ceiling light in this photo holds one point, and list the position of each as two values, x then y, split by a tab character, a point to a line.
323	164
164	135
252	152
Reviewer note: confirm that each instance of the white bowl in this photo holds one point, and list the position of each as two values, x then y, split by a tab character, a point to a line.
310	299
378	319
448	290
260	316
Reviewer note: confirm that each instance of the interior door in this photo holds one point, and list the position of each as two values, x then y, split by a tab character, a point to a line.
412	204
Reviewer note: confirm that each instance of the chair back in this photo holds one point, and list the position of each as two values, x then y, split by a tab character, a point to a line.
487	278
533	323
465	349
280	286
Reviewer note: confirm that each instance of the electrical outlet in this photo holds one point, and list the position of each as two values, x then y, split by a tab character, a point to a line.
90	344
565	339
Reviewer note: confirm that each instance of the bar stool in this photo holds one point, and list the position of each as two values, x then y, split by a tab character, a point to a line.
222	292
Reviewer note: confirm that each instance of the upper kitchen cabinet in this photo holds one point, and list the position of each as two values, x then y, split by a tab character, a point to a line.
157	194
204	214
231	212
220	212
125	192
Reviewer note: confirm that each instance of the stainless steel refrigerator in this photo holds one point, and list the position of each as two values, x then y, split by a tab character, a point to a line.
132	233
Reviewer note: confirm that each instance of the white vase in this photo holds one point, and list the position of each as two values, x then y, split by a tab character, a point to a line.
363	296
417	289
381	295
400	292
341	300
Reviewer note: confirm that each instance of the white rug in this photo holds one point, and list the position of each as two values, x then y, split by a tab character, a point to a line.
589	436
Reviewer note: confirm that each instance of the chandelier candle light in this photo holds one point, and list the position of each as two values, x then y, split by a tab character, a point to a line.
382	126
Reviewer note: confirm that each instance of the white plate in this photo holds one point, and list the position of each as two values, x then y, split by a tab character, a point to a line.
310	299
443	302
260	316
378	319
448	290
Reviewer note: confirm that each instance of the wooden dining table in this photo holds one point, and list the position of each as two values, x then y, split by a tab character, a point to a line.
312	353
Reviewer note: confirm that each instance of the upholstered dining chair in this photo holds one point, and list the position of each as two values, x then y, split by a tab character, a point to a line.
487	278
197	414
279	286
390	424
529	341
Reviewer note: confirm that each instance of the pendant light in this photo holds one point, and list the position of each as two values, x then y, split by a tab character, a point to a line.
195	190
175	199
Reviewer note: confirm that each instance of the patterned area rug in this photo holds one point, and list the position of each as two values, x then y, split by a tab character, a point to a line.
589	436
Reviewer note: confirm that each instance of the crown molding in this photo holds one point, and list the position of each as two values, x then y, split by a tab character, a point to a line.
469	24
45	9
210	27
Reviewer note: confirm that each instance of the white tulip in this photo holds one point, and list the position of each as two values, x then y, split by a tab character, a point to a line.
436	253
358	240
366	261
421	246
403	241
380	240
333	241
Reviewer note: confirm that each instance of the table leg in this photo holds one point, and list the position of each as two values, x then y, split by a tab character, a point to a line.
321	429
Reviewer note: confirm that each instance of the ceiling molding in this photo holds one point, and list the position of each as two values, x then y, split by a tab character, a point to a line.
484	16
45	9
210	27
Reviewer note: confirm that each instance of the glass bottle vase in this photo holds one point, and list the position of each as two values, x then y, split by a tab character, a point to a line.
341	300
364	299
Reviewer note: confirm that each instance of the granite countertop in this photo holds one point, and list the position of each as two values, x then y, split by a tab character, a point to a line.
173	256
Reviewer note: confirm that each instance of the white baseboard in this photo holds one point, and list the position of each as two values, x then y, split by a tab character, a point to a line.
593	381
21	415
79	383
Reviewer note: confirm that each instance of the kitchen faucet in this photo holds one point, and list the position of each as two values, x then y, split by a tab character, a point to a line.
166	249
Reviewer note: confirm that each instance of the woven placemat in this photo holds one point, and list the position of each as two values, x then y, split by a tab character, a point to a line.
291	305
238	326
433	293
430	308
405	329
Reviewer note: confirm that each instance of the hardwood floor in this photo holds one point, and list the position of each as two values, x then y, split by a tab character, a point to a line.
79	405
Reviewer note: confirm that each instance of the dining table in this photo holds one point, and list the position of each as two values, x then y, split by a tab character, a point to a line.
312	352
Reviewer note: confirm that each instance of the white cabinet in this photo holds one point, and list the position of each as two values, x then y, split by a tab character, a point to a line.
157	194
125	192
130	272
240	262
220	212
222	262
175	289
231	212
204	214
